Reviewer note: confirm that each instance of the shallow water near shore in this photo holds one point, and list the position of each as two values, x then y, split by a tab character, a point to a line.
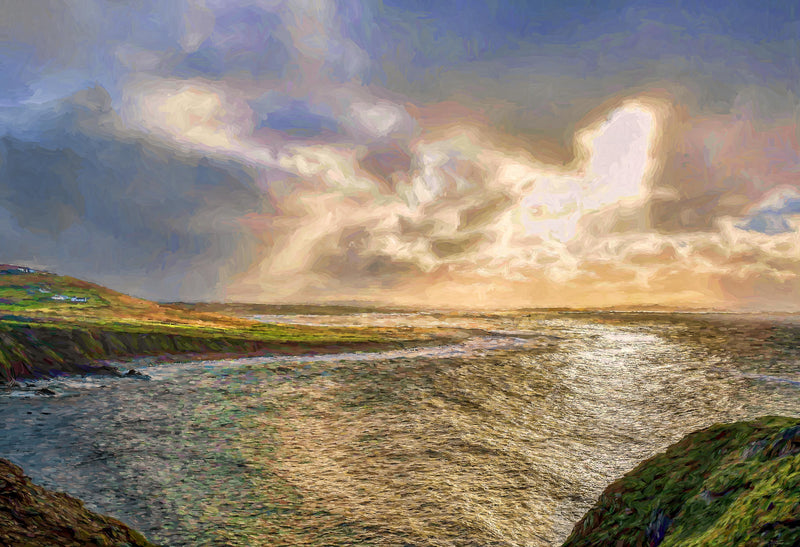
504	439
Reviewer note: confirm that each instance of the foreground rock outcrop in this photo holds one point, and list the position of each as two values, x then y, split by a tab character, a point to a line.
729	484
32	516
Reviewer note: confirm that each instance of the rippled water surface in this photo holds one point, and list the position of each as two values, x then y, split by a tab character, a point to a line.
505	439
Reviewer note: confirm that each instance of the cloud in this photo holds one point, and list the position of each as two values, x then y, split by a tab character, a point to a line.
639	207
308	149
463	211
198	25
106	205
435	218
378	119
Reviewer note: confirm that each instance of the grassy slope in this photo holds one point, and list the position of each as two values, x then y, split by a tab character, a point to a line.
35	517
729	484
43	331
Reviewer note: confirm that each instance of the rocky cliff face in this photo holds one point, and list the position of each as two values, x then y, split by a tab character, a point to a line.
32	516
729	484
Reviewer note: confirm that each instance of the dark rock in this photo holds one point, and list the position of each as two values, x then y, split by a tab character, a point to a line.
45	391
787	443
657	527
105	370
133	373
94	369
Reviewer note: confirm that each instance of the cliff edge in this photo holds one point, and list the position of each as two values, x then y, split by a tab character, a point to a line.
32	516
729	484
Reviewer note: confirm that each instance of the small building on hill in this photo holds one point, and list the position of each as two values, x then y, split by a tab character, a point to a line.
11	269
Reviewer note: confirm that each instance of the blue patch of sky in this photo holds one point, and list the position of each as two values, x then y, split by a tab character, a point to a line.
772	220
248	42
297	120
429	35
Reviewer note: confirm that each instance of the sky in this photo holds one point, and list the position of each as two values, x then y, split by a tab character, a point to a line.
437	154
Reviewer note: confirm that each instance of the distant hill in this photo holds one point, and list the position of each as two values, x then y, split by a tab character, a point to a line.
52	324
245	309
44	295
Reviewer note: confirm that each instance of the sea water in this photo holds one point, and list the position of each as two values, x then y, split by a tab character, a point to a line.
506	438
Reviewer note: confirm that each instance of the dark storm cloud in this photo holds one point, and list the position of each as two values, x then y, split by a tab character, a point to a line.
98	204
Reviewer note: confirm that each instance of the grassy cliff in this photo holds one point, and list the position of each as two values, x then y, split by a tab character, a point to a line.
729	484
51	324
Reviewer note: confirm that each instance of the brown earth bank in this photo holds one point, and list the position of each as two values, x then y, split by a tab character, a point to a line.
31	516
29	351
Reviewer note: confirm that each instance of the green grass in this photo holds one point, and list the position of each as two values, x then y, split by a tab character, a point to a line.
730	484
42	336
20	293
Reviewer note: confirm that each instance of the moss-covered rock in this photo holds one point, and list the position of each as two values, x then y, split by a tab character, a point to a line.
31	516
729	484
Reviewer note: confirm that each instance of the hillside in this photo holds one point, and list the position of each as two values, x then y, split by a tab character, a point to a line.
729	484
44	295
52	324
